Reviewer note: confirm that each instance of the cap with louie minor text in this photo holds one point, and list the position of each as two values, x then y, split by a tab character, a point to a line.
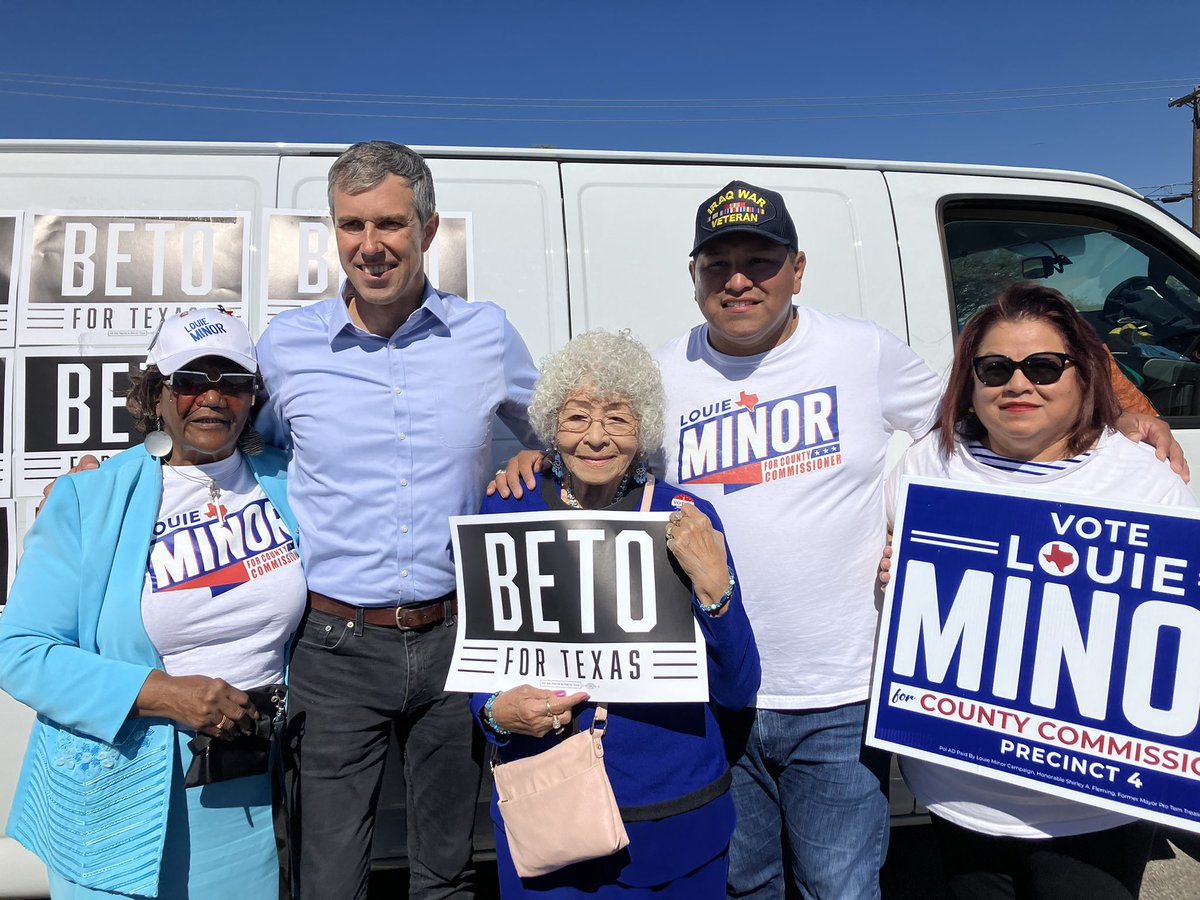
190	335
742	207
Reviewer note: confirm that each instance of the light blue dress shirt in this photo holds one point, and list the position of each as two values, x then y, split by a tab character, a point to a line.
390	437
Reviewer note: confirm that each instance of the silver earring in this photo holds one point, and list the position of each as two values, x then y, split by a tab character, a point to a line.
158	443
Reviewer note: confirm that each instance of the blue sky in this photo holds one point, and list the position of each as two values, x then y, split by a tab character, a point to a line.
1063	84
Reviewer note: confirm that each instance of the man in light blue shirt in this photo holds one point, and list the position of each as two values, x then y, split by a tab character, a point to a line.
386	398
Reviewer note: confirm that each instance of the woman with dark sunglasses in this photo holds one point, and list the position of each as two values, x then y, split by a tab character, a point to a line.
1029	401
149	620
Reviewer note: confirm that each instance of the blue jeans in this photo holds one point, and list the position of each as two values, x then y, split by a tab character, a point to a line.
807	785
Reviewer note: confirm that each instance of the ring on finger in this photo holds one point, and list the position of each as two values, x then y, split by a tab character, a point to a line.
549	711
224	723
556	723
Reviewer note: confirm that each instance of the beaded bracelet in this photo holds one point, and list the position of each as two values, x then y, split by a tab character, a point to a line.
490	718
713	608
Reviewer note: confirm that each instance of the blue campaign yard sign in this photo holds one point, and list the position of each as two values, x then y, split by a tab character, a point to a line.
1045	642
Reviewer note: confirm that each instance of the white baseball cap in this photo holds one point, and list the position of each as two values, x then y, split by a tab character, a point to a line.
188	336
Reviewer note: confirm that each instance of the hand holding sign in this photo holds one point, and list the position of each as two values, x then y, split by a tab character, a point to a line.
885	563
700	550
533	711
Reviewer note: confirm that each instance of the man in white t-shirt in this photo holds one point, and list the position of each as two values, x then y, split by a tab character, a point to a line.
781	416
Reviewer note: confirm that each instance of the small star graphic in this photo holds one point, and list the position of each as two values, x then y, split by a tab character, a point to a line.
1059	558
749	401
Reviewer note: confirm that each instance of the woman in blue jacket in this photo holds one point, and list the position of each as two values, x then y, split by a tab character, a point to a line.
153	593
599	404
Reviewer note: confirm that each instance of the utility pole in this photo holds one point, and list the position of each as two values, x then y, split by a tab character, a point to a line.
1193	100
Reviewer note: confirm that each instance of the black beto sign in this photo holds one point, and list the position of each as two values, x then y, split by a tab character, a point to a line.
77	401
68	406
578	600
587	580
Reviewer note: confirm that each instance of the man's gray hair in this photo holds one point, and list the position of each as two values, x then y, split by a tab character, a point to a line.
609	366
365	166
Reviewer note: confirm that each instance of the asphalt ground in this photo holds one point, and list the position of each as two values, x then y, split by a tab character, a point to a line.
913	871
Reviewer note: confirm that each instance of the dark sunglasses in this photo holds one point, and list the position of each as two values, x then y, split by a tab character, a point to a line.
191	384
1040	368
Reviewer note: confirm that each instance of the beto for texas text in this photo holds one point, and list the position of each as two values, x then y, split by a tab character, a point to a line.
577	601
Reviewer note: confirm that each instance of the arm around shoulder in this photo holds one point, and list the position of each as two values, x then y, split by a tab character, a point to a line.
909	390
520	374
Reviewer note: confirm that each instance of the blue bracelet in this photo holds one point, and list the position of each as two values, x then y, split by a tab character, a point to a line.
712	608
490	718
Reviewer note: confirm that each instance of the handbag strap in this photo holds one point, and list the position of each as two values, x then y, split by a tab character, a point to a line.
647	493
601	719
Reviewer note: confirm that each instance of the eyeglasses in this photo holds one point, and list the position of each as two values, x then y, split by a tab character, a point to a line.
616	424
191	384
995	370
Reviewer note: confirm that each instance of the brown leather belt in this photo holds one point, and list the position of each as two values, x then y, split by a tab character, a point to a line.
403	617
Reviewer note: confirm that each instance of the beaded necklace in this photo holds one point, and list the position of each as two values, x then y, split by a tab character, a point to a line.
572	501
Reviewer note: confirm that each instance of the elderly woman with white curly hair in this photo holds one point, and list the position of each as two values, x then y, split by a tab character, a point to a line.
599	406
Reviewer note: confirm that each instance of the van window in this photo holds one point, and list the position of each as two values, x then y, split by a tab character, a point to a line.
1141	295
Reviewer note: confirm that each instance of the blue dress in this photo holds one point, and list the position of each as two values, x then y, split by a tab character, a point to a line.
654	753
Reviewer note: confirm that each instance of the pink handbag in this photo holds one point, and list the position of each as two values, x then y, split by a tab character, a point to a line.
558	807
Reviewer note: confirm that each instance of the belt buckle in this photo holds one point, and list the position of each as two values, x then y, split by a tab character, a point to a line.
400	625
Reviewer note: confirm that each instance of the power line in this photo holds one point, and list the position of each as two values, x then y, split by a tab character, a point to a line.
1001	95
573	121
1161	192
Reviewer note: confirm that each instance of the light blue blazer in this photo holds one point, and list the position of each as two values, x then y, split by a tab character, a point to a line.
94	790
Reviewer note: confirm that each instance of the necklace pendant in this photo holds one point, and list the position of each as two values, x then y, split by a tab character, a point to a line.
214	495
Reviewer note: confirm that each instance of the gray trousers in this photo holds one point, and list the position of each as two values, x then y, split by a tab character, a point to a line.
353	688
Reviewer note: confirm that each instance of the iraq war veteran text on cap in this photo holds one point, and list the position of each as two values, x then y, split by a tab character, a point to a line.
743	207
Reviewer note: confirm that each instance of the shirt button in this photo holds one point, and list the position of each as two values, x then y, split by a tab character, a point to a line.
404	529
392	345
399	390
402	435
404	573
403	482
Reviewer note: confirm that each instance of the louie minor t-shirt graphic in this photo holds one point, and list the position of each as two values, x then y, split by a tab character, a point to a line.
218	549
747	439
790	447
224	587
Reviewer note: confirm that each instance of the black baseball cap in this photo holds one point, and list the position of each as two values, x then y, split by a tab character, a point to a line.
743	207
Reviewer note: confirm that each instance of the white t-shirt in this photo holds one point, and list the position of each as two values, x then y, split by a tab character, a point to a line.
790	446
1116	469
221	599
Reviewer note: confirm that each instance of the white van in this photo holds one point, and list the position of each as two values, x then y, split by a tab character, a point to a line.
104	238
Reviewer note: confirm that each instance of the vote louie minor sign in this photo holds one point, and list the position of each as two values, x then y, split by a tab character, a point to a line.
575	601
1047	643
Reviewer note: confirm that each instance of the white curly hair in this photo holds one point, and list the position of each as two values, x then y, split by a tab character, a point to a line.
612	367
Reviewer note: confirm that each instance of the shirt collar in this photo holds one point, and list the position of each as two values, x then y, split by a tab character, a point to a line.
433	304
